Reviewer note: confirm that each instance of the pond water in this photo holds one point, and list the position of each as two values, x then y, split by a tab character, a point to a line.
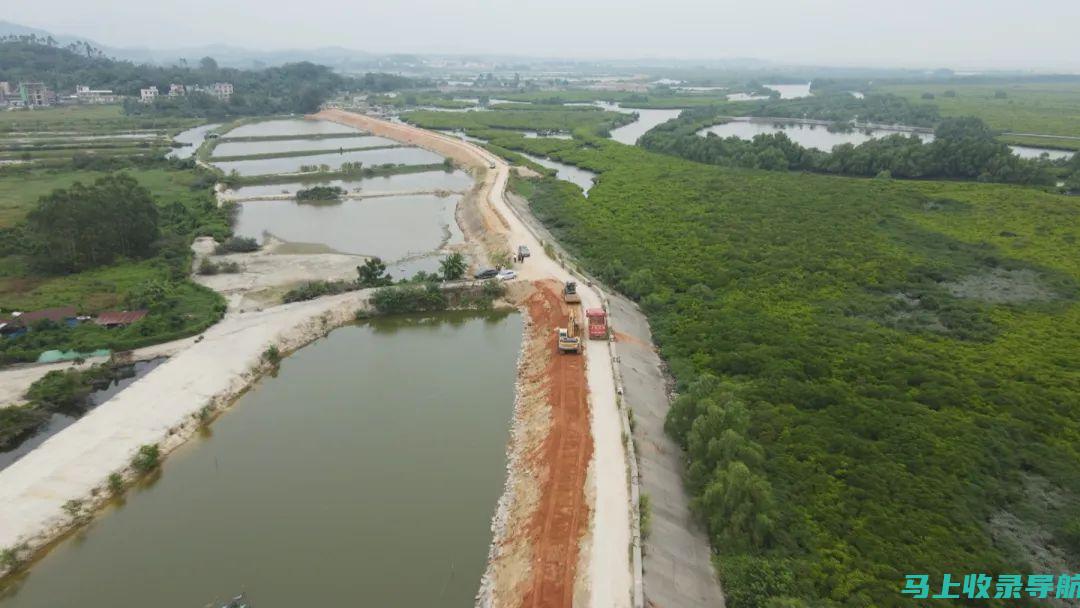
365	473
292	164
1030	152
60	421
289	126
247	148
192	139
807	135
818	136
791	91
570	173
647	119
402	182
537	135
393	227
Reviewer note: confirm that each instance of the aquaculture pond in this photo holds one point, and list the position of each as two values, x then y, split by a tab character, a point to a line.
456	181
192	139
365	472
292	164
289	127
274	146
392	227
61	420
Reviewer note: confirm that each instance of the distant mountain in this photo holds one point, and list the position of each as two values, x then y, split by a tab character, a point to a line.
225	55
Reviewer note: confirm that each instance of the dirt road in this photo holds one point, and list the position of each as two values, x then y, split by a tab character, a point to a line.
591	513
562	462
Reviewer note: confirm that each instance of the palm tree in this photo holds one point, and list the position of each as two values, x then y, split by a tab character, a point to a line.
453	267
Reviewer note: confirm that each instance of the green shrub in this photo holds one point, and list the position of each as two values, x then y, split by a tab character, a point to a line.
146	459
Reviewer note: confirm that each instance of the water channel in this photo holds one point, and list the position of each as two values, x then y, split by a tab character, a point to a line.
289	127
563	171
364	473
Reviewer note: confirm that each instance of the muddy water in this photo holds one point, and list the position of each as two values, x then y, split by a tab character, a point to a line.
791	91
247	148
819	137
365	473
287	127
192	139
570	173
292	164
61	420
402	182
393	227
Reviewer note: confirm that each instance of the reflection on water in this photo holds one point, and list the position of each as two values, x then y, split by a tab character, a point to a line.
61	420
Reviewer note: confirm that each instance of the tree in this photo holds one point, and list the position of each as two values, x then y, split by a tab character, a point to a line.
372	273
207	64
89	226
453	267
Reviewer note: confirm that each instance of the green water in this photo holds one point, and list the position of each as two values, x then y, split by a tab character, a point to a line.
364	474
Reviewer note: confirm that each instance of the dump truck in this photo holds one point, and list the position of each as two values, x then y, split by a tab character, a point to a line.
569	340
570	294
597	323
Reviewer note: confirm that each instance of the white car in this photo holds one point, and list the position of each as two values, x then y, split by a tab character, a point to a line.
506	275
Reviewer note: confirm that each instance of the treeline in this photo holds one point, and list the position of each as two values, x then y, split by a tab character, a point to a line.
291	88
842	106
963	148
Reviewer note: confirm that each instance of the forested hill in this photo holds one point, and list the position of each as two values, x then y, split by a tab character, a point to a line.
295	87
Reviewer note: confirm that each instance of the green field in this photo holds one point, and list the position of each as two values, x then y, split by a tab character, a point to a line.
1042	108
86	119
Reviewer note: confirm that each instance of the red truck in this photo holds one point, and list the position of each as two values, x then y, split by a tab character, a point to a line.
597	323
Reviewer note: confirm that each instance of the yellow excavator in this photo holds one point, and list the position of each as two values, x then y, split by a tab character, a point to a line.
570	336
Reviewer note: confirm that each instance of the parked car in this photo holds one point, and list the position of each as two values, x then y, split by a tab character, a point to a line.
489	273
507	275
523	252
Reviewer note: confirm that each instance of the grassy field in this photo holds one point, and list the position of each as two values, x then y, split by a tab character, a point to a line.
87	119
1043	108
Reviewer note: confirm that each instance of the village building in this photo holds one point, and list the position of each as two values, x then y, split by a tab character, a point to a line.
148	95
84	94
119	318
34	95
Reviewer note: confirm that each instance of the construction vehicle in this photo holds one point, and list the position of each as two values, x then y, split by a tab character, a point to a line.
569	338
597	323
570	294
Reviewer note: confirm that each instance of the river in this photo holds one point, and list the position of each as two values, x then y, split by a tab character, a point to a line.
365	472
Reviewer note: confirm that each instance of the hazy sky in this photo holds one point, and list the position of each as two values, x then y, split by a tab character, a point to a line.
917	33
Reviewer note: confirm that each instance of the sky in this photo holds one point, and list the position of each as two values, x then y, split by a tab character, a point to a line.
960	34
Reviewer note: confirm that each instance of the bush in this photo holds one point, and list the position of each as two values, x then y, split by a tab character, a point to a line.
116	483
272	355
146	459
237	244
409	298
209	267
315	289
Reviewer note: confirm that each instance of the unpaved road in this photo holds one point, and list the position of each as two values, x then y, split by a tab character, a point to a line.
604	570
